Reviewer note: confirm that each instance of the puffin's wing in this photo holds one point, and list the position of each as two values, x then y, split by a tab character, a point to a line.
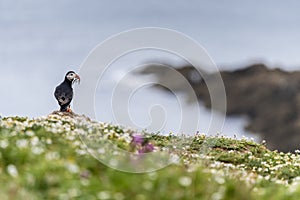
62	96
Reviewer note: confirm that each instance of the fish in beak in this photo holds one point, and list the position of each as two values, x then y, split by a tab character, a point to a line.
77	79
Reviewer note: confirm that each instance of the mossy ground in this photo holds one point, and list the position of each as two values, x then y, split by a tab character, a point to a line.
44	158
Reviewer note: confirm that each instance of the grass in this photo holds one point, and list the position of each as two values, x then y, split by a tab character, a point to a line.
46	158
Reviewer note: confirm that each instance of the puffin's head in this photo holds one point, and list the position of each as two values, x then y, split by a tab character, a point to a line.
72	77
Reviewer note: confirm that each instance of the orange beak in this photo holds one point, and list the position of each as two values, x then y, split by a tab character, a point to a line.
78	78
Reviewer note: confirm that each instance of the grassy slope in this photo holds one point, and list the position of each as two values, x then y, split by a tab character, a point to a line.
44	158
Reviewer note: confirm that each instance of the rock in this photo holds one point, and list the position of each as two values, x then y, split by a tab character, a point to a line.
69	114
270	98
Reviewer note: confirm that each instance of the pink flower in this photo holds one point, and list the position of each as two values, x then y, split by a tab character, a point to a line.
137	139
146	148
141	144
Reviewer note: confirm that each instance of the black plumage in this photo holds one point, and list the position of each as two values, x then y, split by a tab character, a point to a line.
64	92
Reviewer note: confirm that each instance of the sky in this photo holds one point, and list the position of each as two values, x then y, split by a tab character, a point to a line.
42	40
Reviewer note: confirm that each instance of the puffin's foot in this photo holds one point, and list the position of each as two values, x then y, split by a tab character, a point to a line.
69	110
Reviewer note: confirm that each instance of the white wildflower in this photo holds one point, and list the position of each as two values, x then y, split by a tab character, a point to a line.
22	143
103	195
185	181
73	192
147	185
3	143
48	141
12	170
220	180
113	162
101	150
34	141
52	155
73	168
37	150
29	133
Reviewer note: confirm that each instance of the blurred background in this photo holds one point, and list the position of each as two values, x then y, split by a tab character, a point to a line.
255	44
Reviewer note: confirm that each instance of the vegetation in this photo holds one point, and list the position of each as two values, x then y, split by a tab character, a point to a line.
53	157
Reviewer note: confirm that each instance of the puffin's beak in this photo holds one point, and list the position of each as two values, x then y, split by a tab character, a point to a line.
77	78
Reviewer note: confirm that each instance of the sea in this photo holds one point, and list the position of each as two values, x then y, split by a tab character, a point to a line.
42	40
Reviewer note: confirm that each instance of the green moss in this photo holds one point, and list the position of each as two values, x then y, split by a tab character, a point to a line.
46	159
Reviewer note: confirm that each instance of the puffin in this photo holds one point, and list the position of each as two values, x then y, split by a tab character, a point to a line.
64	91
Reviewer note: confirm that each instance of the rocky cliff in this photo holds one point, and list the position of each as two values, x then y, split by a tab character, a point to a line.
269	98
